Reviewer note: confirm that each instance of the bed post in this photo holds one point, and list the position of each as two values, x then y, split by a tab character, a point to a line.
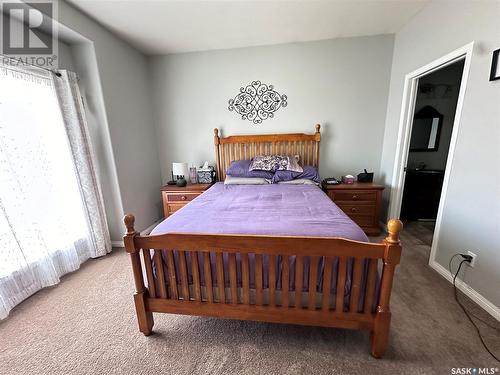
317	139
144	317
217	154
380	333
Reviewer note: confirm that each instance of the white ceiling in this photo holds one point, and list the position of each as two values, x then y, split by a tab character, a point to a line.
161	27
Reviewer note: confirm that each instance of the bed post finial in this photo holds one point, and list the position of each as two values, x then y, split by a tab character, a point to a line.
129	221
394	226
144	316
217	154
216	136
392	255
317	137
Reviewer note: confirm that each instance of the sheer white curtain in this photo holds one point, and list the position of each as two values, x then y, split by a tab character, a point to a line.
51	215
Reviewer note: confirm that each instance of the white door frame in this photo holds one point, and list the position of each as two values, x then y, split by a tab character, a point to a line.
405	125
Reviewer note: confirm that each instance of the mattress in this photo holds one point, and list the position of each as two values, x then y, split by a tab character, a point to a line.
272	209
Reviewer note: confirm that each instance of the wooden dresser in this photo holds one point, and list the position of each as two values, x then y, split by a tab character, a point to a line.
360	201
175	197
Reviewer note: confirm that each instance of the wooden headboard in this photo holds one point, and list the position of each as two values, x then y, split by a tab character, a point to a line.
242	147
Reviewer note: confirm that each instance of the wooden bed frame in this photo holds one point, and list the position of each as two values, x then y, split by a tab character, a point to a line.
181	297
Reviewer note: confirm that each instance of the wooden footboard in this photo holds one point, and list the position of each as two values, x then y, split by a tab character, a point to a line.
242	302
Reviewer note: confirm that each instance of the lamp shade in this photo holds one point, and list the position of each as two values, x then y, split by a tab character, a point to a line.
180	169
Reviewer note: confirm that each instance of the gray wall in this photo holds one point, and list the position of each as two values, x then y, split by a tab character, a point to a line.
65	57
85	65
341	83
114	80
471	219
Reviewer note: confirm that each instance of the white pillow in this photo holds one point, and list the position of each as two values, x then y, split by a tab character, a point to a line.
230	180
299	181
293	164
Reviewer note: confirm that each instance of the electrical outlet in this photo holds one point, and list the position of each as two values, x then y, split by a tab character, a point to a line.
473	261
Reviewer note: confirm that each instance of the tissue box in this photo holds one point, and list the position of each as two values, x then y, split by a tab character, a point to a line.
348	179
206	175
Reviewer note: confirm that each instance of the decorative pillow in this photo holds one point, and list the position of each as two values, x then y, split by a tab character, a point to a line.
274	163
299	181
269	163
308	173
293	164
230	180
241	168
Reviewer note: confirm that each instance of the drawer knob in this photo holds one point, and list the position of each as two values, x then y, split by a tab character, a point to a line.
354	197
183	198
353	209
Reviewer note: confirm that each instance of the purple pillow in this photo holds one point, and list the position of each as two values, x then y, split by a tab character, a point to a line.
240	168
309	173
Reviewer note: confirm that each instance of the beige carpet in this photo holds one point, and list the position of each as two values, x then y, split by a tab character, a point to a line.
86	325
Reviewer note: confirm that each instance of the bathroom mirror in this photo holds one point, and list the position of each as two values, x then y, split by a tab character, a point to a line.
426	129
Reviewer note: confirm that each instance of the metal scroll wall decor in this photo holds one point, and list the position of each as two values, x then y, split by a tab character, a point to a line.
257	102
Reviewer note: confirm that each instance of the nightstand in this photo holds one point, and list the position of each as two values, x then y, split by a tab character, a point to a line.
360	201
175	197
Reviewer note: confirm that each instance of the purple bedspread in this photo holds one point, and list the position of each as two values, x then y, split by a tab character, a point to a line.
274	209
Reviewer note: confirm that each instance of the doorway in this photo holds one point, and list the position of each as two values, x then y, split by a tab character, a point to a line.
430	137
429	125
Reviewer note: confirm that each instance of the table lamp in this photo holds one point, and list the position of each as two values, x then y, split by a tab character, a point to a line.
180	170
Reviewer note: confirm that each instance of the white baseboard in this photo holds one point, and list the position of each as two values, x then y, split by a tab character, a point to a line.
148	230
117	244
142	233
493	310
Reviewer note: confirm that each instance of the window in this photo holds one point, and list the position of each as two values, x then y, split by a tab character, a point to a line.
44	222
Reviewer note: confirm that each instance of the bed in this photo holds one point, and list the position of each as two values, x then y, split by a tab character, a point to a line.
296	258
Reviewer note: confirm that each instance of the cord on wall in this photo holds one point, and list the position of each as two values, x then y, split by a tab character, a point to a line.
467	259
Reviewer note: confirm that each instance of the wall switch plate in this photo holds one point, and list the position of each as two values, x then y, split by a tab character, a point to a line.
473	261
